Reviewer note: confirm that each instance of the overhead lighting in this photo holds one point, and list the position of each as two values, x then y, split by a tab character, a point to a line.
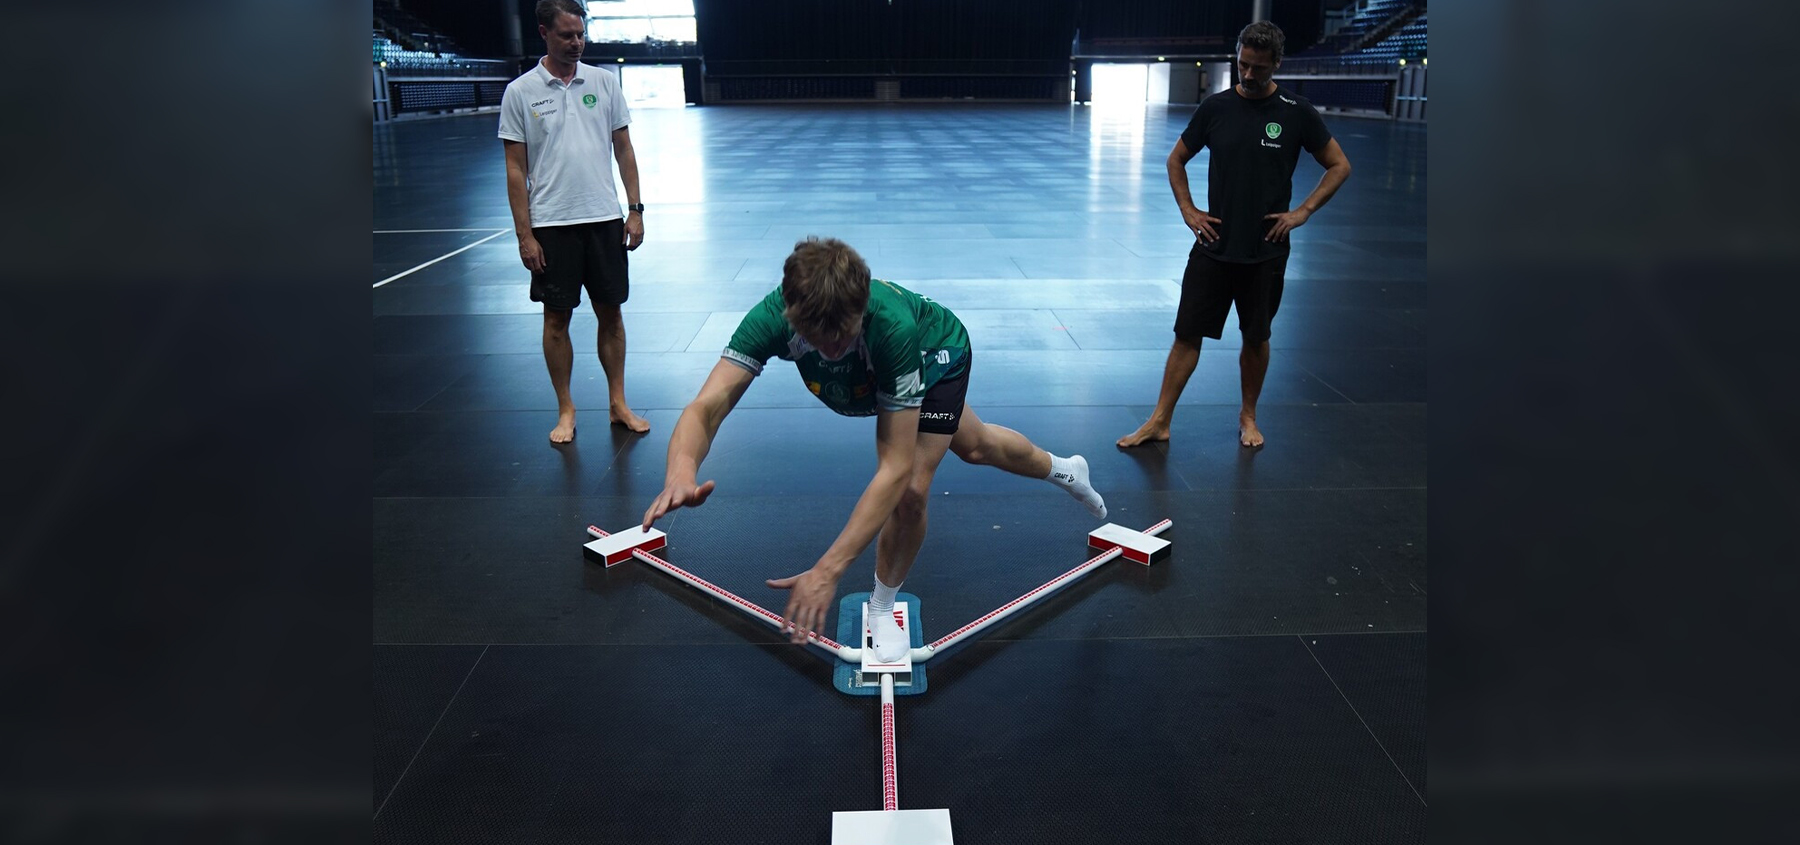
622	61
1425	62
1161	59
1402	62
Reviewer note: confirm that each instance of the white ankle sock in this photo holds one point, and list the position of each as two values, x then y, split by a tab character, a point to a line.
891	643
882	597
1071	474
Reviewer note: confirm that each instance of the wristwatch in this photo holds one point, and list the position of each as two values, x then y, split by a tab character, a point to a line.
637	207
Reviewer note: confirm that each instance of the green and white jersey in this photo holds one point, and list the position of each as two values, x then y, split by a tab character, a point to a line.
908	344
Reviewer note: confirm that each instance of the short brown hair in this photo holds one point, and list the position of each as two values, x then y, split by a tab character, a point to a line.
548	10
1264	36
826	287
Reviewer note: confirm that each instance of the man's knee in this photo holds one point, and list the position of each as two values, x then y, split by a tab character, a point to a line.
609	316
972	452
556	322
913	502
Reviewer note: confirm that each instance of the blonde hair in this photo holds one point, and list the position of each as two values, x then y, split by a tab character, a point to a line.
826	287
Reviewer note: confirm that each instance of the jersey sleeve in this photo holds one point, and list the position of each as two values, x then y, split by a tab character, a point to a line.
621	113
512	115
761	335
1313	134
1195	135
898	369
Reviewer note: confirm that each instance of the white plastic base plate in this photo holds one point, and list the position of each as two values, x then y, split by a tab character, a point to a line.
1132	545
616	548
891	827
900	669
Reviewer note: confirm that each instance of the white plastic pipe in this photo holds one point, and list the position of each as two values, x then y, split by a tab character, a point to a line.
920	655
750	608
890	766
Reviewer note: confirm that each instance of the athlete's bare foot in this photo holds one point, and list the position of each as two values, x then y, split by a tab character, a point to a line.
564	431
622	415
1248	434
1149	431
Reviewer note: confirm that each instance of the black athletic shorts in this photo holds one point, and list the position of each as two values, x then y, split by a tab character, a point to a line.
1209	287
584	255
942	410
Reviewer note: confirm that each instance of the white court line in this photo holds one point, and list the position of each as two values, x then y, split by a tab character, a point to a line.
417	231
442	257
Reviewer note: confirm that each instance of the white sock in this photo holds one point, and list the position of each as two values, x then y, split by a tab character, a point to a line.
891	643
1071	474
882	597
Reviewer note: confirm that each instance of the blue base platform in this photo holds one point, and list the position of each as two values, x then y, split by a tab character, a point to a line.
849	632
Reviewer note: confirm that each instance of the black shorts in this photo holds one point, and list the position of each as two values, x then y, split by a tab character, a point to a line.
1210	286
942	409
585	255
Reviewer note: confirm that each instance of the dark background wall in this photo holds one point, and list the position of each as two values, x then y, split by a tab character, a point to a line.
872	36
1153	27
478	26
906	36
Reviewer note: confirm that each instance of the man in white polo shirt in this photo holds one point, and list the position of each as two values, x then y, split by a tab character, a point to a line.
560	123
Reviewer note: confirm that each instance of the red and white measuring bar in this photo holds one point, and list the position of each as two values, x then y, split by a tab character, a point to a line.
1115	539
890	824
890	766
752	609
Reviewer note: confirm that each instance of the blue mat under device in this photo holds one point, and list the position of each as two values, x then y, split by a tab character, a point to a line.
849	632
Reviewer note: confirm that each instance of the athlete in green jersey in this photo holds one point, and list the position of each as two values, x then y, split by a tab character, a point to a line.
914	345
865	348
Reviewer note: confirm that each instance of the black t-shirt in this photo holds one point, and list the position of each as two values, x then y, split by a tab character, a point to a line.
1255	146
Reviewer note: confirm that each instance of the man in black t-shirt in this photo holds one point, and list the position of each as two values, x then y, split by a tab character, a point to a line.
1255	130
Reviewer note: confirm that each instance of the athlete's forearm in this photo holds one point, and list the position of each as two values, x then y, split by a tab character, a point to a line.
1328	185
628	173
872	511
1178	182
518	199
690	442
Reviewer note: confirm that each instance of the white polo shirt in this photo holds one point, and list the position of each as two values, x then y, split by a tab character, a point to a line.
567	132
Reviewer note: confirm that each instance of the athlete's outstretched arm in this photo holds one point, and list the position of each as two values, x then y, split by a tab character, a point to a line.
896	441
693	437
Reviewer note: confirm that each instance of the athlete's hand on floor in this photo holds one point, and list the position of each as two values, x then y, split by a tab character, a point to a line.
808	603
1285	223
677	495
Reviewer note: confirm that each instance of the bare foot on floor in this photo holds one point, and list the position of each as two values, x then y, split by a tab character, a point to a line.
564	431
623	416
1146	433
1248	434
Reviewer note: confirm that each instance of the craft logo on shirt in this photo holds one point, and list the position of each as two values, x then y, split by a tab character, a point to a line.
589	100
1274	130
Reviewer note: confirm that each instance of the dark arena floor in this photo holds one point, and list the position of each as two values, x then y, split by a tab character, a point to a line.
1266	683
